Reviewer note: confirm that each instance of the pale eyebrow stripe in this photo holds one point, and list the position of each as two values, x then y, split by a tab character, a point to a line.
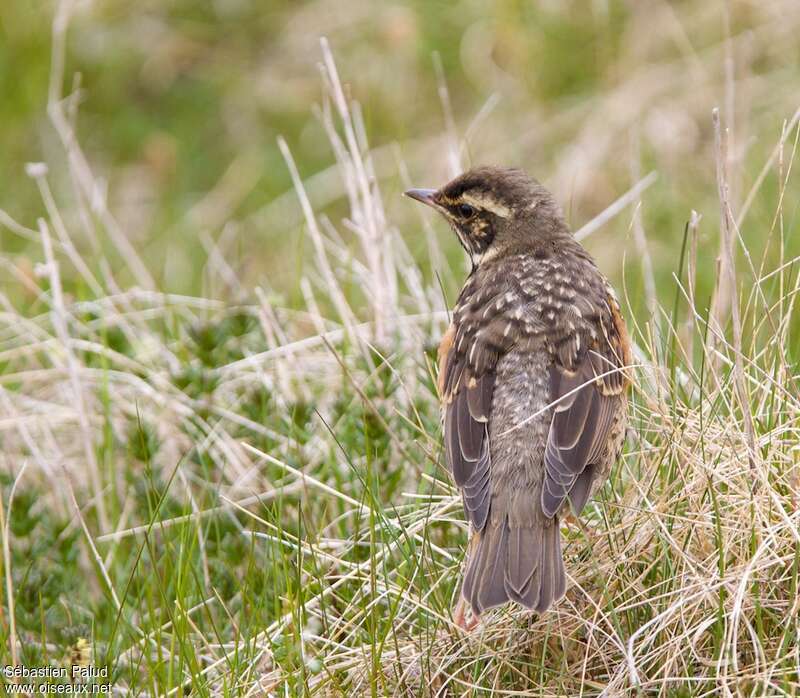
487	204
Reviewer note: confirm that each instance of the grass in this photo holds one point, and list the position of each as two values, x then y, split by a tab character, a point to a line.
239	490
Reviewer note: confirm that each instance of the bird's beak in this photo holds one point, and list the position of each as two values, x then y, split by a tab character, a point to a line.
423	195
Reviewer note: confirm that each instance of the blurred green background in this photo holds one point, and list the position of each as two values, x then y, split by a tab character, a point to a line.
181	104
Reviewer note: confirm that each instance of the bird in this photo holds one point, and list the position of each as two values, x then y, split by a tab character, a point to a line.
533	382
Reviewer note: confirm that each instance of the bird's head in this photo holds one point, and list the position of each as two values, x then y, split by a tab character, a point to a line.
495	211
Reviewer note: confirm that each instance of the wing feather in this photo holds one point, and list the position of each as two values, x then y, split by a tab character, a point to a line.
468	398
479	397
586	397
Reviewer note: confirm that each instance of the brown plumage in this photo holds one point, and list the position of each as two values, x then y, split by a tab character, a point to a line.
531	377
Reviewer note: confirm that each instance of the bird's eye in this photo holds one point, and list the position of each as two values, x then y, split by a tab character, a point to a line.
466	211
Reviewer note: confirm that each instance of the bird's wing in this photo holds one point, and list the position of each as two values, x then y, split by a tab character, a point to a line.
480	334
585	387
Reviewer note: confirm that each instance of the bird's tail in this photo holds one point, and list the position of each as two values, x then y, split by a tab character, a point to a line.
521	564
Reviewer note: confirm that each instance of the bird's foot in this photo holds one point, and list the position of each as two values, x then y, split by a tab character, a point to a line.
460	613
569	520
573	524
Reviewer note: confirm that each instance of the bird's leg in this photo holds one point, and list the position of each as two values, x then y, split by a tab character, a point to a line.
570	520
460	615
574	523
460	611
462	607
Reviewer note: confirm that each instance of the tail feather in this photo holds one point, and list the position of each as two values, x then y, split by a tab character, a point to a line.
524	553
552	569
483	581
520	564
560	574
